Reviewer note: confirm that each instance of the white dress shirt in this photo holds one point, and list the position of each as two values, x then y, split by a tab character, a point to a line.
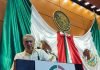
34	56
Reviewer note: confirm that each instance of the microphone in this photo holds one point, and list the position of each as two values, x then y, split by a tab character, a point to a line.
38	55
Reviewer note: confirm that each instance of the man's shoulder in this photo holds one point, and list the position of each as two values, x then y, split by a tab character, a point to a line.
18	55
21	53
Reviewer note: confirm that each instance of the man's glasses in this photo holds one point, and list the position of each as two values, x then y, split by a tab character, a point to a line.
27	41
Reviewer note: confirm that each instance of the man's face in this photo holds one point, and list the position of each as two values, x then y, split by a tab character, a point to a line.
29	43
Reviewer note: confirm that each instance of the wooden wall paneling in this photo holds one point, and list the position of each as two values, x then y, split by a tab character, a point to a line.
87	24
2	9
77	31
75	8
50	21
56	2
98	18
66	5
45	7
2	12
74	18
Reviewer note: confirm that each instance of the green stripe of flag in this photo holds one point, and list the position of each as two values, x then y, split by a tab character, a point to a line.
16	24
96	35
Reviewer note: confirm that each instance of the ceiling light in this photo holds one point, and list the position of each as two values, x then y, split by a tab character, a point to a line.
93	6
86	3
98	10
79	0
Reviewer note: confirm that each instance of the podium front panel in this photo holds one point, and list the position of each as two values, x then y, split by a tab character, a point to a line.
25	64
45	65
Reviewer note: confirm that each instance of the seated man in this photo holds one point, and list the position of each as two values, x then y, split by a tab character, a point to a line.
30	53
48	50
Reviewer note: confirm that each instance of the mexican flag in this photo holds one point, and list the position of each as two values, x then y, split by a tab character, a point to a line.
88	46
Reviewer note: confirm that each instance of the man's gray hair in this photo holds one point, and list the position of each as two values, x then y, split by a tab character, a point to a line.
28	35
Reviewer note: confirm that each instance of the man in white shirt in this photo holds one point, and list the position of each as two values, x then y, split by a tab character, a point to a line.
45	46
30	53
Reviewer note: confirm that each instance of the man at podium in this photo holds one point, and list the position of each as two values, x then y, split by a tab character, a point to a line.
30	53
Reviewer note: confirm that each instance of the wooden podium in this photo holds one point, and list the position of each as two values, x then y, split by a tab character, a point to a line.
45	65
